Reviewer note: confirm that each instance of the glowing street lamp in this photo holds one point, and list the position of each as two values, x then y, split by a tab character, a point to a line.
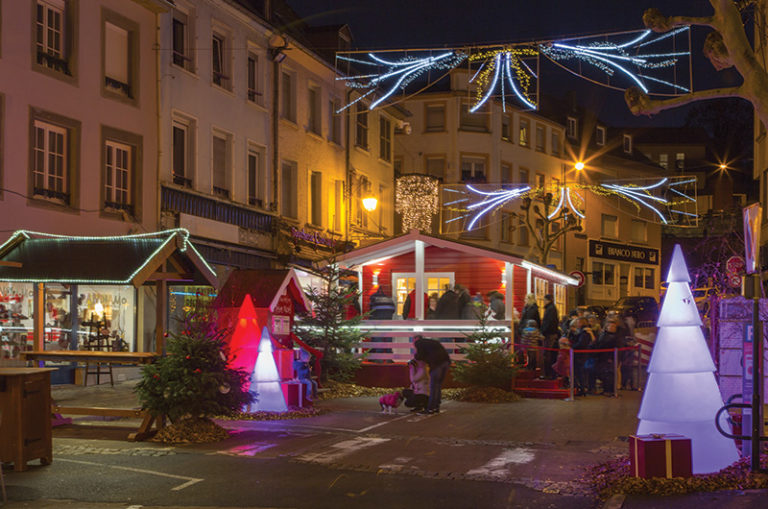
370	203
579	165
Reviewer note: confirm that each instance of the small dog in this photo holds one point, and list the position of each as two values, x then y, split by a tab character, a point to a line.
389	402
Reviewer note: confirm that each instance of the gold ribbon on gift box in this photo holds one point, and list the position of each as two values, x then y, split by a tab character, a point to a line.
667	453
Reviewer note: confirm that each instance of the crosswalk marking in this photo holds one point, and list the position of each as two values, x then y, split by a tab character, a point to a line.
341	449
497	467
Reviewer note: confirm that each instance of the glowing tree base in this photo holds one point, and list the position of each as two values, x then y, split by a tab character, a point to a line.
682	396
265	381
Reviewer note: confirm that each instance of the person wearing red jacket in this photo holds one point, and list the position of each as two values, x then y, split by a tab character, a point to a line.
409	307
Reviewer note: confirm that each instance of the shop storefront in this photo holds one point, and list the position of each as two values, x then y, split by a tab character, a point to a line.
109	294
618	270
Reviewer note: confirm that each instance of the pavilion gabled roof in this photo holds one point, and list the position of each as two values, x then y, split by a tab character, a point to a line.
36	257
406	243
265	286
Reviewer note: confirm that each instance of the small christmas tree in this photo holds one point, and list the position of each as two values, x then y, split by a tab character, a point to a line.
489	362
682	395
331	325
194	379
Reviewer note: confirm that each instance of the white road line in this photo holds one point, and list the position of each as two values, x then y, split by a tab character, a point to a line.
341	449
497	467
369	428
190	480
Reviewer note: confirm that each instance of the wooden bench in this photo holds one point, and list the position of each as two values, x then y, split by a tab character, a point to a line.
86	356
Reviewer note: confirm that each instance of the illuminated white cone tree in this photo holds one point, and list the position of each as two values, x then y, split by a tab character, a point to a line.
682	395
265	380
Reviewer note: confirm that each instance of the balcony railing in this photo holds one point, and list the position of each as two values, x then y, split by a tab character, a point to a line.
177	200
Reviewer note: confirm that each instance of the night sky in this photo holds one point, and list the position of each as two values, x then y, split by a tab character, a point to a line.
434	23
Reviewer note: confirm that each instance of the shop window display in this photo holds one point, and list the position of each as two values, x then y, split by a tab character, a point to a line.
107	318
15	319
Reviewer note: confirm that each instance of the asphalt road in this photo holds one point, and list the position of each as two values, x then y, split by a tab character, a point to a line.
526	454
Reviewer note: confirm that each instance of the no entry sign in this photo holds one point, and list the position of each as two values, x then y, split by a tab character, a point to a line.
578	276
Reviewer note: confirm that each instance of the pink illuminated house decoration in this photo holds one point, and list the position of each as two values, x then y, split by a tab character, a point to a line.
265	380
682	395
245	341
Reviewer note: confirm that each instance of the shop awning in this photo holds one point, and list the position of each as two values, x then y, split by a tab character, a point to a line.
34	257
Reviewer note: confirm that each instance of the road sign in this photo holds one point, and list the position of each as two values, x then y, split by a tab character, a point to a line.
734	280
735	265
578	276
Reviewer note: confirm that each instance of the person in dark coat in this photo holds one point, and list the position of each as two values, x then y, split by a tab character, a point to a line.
580	339
551	331
448	306
438	360
495	309
530	312
382	305
432	308
604	369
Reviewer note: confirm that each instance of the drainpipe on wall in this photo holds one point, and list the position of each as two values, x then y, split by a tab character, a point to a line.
159	137
348	168
275	131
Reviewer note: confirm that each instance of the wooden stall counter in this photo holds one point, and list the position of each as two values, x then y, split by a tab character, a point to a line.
25	423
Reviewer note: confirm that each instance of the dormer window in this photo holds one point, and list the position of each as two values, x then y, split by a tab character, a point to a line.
600	136
572	128
627	144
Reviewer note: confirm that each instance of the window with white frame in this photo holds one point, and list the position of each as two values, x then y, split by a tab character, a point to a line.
506	126
289	187
600	135
603	274
334	121
505	174
572	127
524	176
181	40
182	139
522	233
434	120
255	95
314	110
338	205
385	138
560	299
524	133
644	278
117	59
472	169
664	161
221	164
118	161
361	126
555	143
540	289
507	227
220	61
627	143
50	34
680	161
362	190
256	176
435	166
477	121
315	196
639	231
609	226
50	172
288	98
541	132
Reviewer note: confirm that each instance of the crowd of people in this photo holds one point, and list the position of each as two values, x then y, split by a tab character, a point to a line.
579	331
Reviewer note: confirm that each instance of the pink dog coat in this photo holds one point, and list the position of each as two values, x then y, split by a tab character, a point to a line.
391	400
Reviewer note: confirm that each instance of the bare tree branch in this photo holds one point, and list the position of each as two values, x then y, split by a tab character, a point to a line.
656	21
639	103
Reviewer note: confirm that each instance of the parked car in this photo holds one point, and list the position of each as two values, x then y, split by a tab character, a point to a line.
701	296
642	309
599	311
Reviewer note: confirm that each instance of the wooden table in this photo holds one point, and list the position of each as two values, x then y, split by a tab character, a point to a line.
127	358
25	402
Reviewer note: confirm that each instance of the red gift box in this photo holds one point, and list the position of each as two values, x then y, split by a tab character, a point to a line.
654	455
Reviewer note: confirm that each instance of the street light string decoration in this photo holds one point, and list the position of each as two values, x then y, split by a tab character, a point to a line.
416	200
510	72
670	201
